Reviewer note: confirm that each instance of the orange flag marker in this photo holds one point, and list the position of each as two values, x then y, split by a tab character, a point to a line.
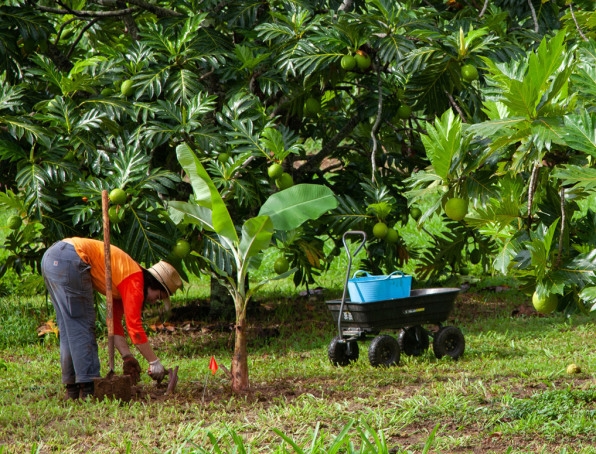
213	365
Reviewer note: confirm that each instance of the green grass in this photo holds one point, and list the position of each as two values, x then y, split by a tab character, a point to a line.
509	393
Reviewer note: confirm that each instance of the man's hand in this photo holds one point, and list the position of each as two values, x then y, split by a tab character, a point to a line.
131	367
156	370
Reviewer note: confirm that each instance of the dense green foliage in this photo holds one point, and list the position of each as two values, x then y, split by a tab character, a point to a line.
98	96
489	102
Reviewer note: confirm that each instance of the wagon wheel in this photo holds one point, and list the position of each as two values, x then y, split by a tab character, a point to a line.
413	340
384	351
449	341
338	352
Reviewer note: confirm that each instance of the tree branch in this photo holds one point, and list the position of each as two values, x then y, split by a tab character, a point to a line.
534	18
86	13
346	5
314	161
130	25
62	27
456	106
483	9
375	128
584	37
157	10
74	44
531	191
562	232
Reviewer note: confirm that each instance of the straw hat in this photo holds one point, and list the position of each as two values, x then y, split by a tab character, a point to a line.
167	276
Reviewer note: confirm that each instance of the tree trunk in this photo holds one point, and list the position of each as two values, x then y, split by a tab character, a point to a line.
240	383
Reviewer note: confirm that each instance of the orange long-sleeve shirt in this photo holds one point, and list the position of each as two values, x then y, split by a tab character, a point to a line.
127	284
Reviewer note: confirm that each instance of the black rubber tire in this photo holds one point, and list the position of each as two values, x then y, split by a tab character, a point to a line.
449	341
413	340
384	351
338	352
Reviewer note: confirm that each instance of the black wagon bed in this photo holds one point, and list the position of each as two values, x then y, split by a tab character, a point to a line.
423	306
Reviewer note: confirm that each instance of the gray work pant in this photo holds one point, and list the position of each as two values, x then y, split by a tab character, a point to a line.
68	280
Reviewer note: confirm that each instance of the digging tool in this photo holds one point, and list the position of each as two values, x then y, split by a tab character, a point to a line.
172	380
112	386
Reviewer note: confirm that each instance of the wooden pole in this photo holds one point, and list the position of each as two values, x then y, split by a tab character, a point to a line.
105	202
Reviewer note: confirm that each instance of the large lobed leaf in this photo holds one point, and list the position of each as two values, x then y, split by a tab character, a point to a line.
289	208
580	177
580	271
580	132
443	142
147	238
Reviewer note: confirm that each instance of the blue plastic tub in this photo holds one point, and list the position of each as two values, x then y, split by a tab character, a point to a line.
370	288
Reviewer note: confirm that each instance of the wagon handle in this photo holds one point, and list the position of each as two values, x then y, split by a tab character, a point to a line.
349	270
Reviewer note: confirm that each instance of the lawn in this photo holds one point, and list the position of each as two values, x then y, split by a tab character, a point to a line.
510	392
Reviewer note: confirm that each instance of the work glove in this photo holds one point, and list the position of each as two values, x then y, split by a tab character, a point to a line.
156	370
131	367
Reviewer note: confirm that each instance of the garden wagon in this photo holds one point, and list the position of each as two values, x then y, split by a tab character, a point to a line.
357	321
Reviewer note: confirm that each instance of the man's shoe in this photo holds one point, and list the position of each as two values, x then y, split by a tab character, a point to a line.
73	392
87	390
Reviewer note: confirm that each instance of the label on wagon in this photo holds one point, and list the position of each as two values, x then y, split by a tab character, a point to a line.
348	316
414	311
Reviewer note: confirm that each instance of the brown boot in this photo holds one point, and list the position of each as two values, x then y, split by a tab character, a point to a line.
73	392
87	390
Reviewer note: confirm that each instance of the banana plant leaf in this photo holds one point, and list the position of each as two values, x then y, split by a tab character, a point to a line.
256	237
206	194
289	208
190	212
